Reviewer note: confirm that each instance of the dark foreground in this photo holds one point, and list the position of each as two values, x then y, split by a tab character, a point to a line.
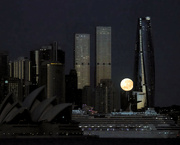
87	141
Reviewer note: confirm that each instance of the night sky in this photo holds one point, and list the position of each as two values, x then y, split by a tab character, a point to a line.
28	24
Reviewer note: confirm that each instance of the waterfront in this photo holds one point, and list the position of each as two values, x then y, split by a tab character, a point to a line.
89	141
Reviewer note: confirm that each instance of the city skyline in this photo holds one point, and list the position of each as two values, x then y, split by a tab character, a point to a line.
29	25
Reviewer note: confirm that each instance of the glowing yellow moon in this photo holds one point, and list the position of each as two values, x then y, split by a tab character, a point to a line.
126	84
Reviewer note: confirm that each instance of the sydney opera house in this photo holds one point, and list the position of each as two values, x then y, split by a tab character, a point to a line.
36	116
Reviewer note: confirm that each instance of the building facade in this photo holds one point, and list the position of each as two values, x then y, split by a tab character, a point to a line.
47	53
144	68
106	97
103	53
20	77
48	70
56	81
82	59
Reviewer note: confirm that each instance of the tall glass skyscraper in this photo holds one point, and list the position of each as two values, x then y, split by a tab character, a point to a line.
144	70
82	59
103	53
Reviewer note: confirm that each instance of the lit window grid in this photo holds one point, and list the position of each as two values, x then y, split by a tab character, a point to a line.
103	72
82	59
103	53
83	74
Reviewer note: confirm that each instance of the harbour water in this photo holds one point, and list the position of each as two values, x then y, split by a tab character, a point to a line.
87	141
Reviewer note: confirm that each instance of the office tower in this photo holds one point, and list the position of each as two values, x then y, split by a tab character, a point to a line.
56	81
20	77
48	69
107	98
71	87
144	68
40	56
4	58
34	57
82	59
21	69
103	53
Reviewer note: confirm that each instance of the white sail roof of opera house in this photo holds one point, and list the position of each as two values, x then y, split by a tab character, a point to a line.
33	109
8	99
7	110
38	111
32	97
13	114
53	112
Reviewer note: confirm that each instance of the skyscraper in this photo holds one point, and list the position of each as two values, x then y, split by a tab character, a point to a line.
19	81
48	69
21	69
103	53
56	81
44	54
82	59
144	68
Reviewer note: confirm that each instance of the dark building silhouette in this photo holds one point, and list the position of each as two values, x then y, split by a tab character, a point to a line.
71	86
56	81
124	100
87	96
4	58
144	68
46	53
106	97
78	100
48	69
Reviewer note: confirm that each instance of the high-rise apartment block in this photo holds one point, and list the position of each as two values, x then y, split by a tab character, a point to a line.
144	70
103	53
82	59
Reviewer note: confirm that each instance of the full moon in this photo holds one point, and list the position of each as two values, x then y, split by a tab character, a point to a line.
126	84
